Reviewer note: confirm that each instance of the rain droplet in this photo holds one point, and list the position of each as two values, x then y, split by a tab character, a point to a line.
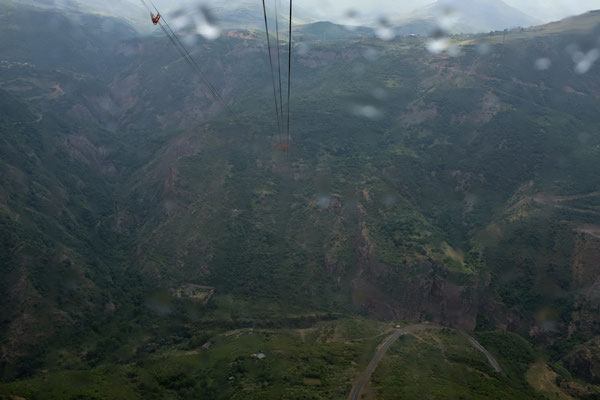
170	207
384	30
192	22
448	19
206	24
389	200
159	302
542	64
484	48
439	45
368	111
371	54
350	19
379	93
324	201
587	61
302	49
490	100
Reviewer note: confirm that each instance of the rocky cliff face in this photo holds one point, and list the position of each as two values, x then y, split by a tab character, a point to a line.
421	289
585	361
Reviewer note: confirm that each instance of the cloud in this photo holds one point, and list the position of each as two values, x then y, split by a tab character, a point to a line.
337	10
545	10
548	10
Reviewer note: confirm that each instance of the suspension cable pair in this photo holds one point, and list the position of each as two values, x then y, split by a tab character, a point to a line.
183	51
279	102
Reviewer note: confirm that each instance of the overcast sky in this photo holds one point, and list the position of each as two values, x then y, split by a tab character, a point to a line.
334	10
542	9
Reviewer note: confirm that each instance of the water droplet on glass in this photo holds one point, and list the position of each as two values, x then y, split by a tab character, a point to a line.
190	22
350	19
379	93
170	207
586	62
367	111
484	48
159	302
389	200
180	20
490	100
438	46
384	30
302	49
371	54
448	19
542	64
324	201
206	23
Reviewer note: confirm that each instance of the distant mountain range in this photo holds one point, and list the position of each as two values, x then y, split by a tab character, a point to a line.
465	16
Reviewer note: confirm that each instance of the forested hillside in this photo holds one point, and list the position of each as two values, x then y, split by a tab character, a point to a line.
151	241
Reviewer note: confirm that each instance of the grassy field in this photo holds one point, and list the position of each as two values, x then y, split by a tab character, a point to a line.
319	362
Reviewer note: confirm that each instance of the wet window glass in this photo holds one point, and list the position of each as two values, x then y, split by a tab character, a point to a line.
284	199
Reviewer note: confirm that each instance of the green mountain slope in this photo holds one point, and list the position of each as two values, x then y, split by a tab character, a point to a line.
139	220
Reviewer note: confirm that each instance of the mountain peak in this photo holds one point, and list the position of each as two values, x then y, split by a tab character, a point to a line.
468	16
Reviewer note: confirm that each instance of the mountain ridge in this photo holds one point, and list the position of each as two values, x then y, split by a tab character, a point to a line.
464	17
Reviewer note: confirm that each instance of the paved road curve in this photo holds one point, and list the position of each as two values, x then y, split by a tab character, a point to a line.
482	349
365	377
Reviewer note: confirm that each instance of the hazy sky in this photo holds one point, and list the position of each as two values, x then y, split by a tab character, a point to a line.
542	9
334	10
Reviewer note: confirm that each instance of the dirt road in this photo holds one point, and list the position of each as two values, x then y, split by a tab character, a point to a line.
482	349
365	377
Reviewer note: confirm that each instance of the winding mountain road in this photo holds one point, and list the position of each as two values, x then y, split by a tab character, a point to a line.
482	349
365	377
